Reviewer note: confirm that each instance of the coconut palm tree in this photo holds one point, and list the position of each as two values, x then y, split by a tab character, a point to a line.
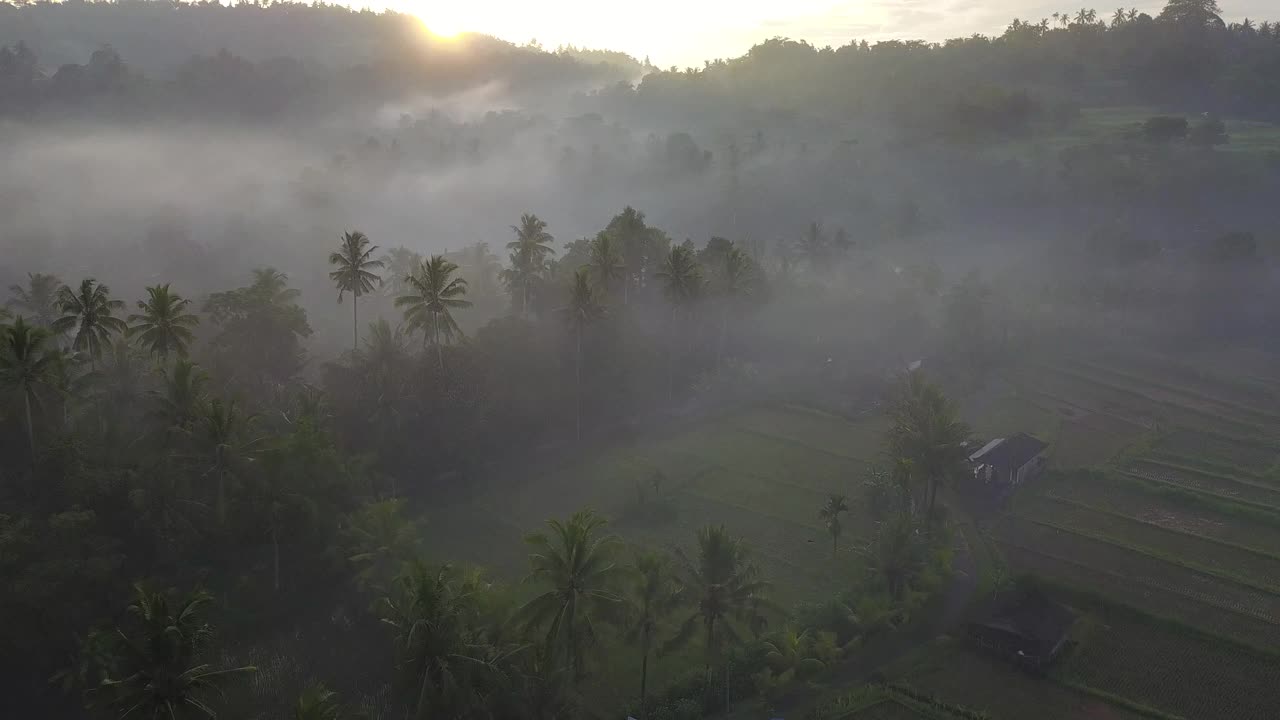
480	267
39	299
88	311
682	284
163	326
926	430
223	433
737	281
529	253
830	516
634	241
27	369
607	264
433	294
583	309
177	403
439	647
354	274
652	598
724	588
162	676
575	565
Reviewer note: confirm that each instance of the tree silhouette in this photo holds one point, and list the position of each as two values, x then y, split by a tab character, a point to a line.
354	274
926	430
529	253
223	432
88	311
39	299
830	516
682	284
27	369
584	308
432	296
163	327
607	264
725	589
575	564
652	598
162	675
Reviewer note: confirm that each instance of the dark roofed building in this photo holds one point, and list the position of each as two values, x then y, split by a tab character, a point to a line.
1030	630
1010	460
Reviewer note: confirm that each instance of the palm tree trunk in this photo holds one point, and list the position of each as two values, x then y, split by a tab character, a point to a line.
724	331
355	326
626	289
31	428
835	538
439	351
644	672
275	547
578	388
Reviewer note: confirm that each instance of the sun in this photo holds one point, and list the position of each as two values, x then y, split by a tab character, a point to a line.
445	22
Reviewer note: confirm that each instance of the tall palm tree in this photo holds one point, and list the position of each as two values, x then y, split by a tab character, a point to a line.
583	309
724	588
162	673
575	564
529	253
88	311
926	429
433	294
607	264
163	326
652	598
682	284
480	267
435	614
39	299
223	432
27	369
177	402
830	515
737	281
633	237
354	274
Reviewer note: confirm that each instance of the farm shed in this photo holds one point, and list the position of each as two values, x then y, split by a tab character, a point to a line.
1030	631
1009	461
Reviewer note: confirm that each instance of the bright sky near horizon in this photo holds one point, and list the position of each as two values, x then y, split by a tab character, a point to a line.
685	32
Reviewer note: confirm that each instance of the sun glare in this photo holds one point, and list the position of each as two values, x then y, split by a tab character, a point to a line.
444	24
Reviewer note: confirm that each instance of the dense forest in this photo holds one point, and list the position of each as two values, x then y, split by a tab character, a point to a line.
283	276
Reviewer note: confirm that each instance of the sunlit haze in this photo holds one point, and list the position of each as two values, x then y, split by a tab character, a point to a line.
671	32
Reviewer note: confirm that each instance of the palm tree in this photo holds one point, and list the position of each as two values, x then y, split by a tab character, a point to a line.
355	263
607	264
653	597
897	553
317	702
634	239
164	676
433	293
575	564
583	309
529	253
830	515
163	326
926	430
178	401
39	299
88	312
438	645
723	586
480	267
380	540
737	281
27	369
792	654
223	433
682	285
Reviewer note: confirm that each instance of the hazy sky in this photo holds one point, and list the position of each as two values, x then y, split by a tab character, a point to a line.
685	32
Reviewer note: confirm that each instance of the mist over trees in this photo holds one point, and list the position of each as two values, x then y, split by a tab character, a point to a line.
281	276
